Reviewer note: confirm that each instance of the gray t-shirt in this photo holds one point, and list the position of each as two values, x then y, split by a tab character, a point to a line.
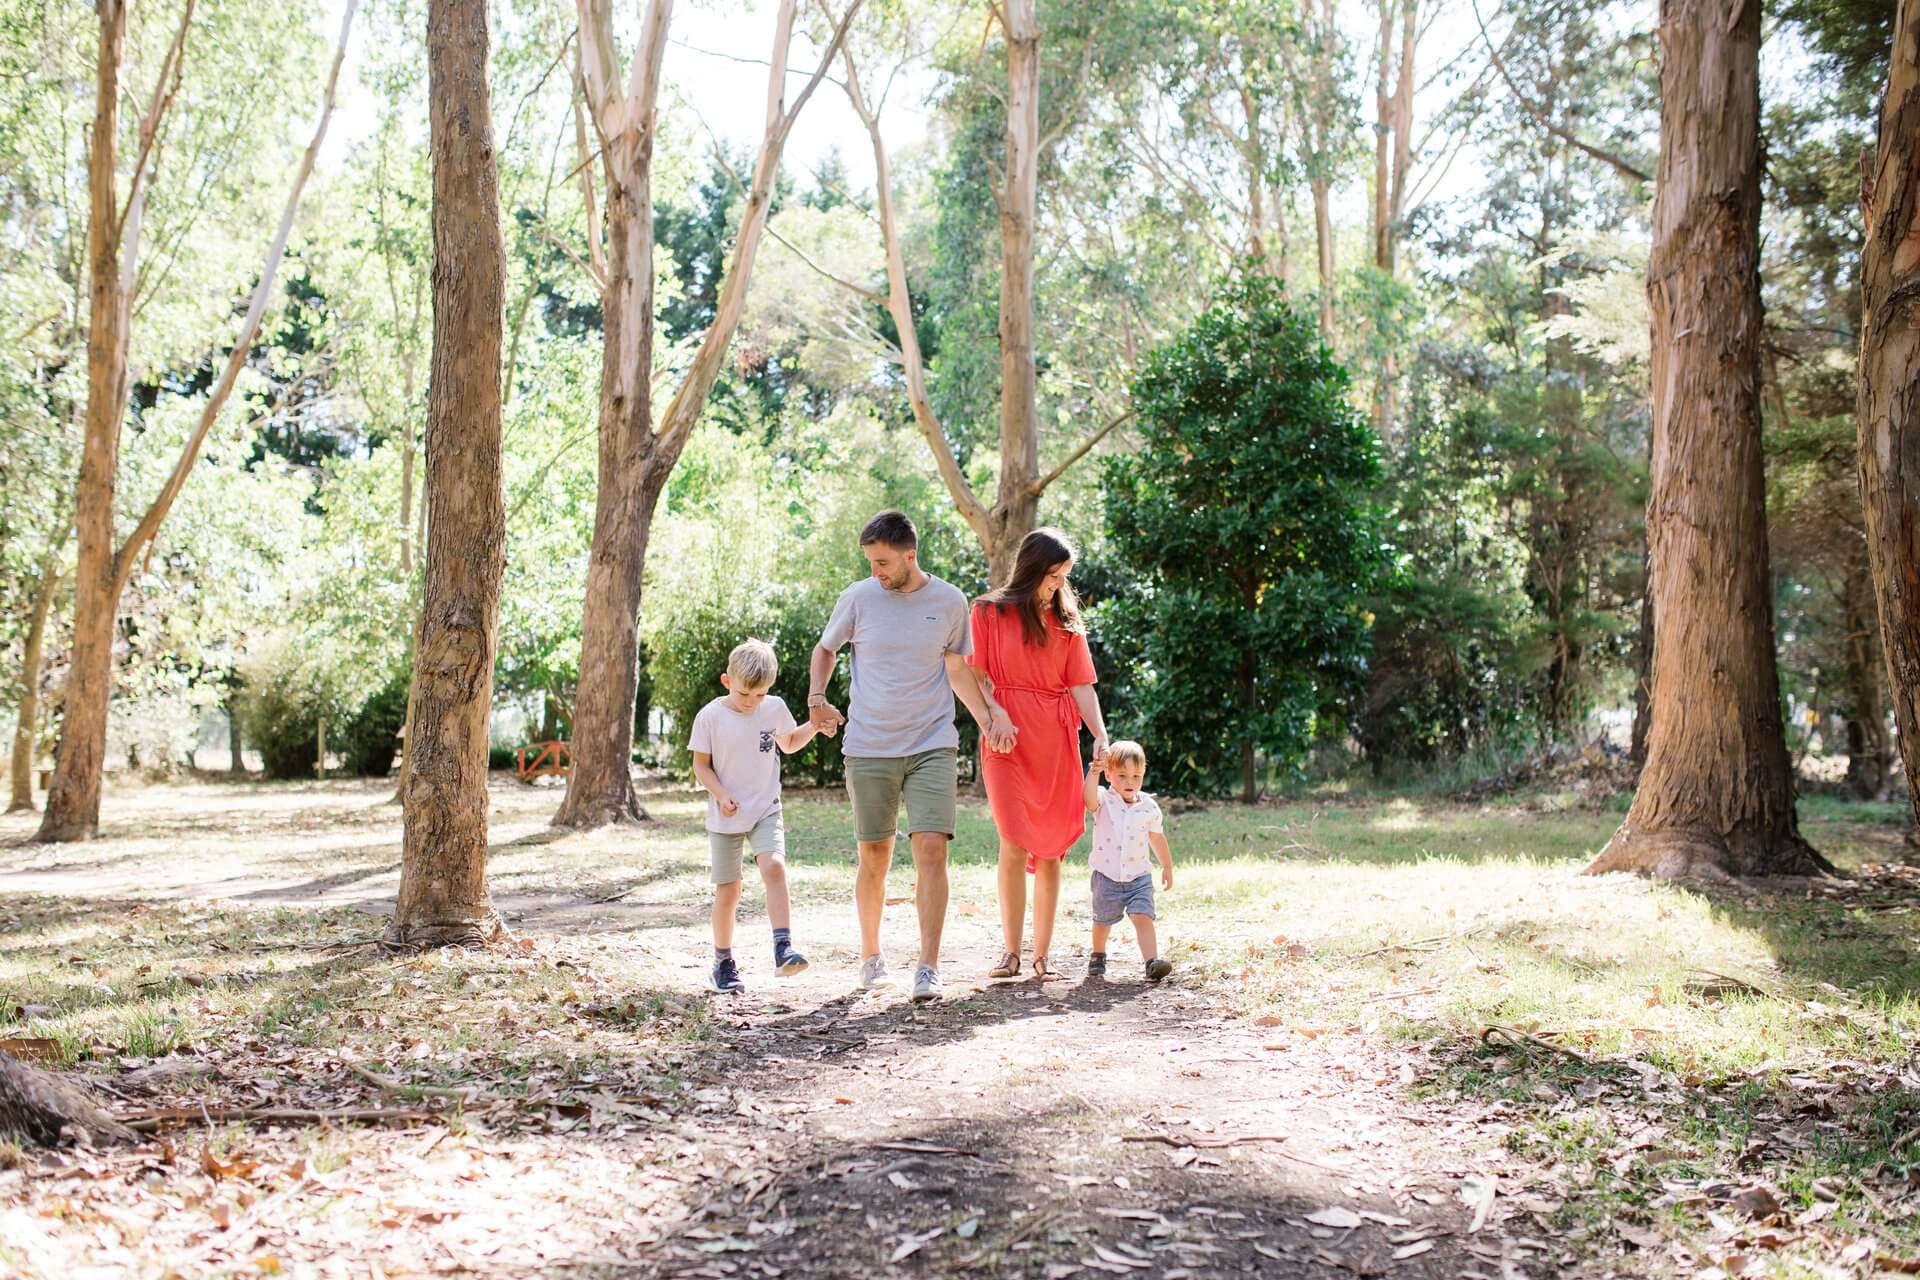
902	703
745	756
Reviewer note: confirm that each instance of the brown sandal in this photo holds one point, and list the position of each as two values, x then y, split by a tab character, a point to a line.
1009	966
1044	972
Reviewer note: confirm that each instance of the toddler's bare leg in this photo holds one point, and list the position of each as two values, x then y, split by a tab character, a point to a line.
1143	927
773	875
726	901
1100	932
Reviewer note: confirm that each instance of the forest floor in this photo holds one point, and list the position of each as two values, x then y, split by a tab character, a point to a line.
1403	1038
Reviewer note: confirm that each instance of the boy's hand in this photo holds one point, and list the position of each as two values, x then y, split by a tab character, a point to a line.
728	805
1166	876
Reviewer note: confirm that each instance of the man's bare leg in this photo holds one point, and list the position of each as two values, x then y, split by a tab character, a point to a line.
929	891
870	891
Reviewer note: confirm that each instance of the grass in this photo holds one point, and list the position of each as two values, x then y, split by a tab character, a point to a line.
1396	918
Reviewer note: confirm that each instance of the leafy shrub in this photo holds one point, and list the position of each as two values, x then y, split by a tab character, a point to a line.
371	738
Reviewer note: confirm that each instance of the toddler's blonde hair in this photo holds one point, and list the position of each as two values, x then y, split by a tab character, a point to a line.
752	665
1125	751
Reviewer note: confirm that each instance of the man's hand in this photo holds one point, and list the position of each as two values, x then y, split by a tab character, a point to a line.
728	805
999	731
824	716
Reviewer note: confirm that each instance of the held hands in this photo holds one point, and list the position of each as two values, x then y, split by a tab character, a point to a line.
999	731
1099	764
825	718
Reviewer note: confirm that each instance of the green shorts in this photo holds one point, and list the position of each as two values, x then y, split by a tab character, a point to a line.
728	848
925	780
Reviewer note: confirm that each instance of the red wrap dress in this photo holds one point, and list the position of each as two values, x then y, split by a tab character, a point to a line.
1035	789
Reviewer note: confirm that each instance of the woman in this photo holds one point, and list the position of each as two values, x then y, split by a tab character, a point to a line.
1030	649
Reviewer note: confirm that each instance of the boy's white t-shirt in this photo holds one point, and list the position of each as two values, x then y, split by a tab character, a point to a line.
1120	849
745	756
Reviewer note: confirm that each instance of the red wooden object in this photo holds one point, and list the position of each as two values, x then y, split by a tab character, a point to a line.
550	759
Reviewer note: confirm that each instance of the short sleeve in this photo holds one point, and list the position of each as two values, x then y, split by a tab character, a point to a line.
839	623
977	623
1079	661
1154	821
782	717
959	633
702	739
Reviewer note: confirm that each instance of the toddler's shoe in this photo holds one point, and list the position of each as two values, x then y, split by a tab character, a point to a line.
1097	965
1158	968
787	961
725	977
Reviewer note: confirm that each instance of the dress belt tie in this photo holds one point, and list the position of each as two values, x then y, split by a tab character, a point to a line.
1064	706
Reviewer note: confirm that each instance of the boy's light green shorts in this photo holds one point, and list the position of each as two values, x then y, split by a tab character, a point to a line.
728	848
926	781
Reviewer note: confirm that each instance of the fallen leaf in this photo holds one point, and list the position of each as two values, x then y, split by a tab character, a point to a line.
1413	1250
1478	1196
966	1229
32	1048
1757	1202
1336	1216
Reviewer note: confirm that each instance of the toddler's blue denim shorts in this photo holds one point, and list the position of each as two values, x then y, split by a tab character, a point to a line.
1113	899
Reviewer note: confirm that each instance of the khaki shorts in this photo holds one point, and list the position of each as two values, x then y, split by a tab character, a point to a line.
877	784
767	839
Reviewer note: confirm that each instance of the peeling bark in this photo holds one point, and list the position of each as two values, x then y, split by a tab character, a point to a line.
1716	795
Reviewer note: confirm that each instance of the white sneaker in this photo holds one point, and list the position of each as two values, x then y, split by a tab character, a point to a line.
873	973
927	985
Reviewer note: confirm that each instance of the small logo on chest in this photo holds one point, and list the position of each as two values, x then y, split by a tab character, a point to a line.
766	740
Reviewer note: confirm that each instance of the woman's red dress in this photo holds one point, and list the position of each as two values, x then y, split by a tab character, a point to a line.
1035	789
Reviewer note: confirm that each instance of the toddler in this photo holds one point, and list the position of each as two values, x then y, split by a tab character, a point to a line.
734	759
1127	833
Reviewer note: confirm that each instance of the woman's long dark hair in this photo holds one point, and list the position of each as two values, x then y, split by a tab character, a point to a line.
1041	552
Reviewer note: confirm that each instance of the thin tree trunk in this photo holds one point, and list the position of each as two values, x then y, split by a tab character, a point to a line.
1383	137
1716	795
26	733
236	742
1017	509
443	896
1888	398
1869	755
73	801
1323	240
1642	672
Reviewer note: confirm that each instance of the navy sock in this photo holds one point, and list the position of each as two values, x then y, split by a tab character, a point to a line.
781	937
723	953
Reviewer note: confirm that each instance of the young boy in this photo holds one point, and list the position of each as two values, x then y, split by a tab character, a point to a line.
733	745
1126	825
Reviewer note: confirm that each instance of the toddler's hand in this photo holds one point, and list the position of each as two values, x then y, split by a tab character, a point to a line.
728	806
1166	877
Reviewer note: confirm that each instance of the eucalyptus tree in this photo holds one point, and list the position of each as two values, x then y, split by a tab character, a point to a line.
114	227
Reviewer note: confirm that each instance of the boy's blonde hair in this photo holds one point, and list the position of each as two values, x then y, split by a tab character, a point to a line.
752	665
1126	751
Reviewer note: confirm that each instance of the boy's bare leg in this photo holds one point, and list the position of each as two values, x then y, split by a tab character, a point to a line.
726	901
773	876
930	891
1143	928
870	892
1100	932
1013	894
1046	898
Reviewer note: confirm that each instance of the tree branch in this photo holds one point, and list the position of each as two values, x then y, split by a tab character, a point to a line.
1040	486
1546	122
165	85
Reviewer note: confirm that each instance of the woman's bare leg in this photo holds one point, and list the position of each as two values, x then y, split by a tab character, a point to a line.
1046	897
1013	895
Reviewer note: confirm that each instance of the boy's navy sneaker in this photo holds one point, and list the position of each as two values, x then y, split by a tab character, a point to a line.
1097	965
725	977
787	961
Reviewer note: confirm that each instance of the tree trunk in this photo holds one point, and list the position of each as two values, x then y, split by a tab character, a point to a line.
73	799
1869	755
1383	136
1716	795
1018	506
443	896
236	743
1642	673
39	1107
26	733
1888	398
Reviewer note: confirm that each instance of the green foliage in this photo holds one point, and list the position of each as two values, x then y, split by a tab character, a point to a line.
1246	513
370	740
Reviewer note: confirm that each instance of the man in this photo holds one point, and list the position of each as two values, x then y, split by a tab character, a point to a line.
910	641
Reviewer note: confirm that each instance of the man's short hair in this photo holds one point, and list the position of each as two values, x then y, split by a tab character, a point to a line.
893	529
752	665
1125	752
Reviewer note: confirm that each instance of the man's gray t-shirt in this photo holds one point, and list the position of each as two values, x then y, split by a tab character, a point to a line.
902	703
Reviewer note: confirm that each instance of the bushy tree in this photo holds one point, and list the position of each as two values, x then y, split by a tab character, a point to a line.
1247	512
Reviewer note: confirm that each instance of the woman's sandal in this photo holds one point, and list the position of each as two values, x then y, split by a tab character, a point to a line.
1009	966
1044	972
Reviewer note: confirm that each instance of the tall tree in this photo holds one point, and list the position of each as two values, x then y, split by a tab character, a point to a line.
26	733
1888	407
443	872
637	455
1716	795
113	248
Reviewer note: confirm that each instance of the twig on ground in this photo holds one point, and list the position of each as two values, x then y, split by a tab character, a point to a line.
147	1122
922	1148
1422	944
1173	1141
821	1035
1524	1040
1398	995
401	1089
299	946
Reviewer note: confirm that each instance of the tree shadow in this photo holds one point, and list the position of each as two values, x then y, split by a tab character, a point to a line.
1852	933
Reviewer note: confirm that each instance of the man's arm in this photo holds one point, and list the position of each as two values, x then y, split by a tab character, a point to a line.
995	727
821	713
703	770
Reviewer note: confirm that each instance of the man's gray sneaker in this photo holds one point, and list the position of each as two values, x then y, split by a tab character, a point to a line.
873	973
926	984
